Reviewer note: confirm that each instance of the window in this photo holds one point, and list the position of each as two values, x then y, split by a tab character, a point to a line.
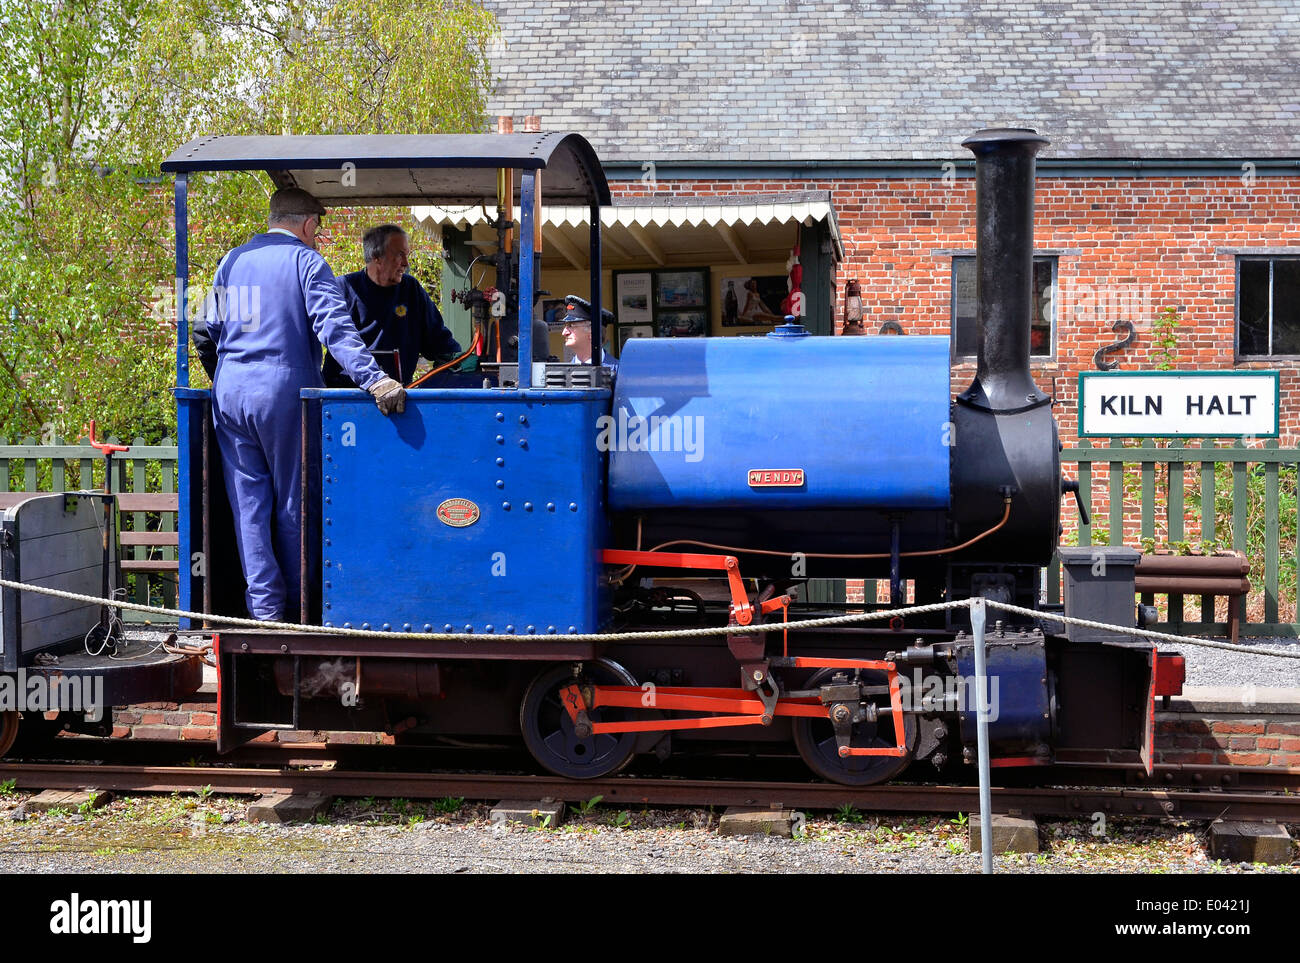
1268	306
1042	335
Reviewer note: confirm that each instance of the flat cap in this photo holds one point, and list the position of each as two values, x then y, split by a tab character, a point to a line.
289	201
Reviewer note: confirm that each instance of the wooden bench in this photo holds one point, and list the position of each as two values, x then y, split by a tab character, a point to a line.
1224	574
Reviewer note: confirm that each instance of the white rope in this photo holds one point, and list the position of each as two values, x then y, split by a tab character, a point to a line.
480	636
659	634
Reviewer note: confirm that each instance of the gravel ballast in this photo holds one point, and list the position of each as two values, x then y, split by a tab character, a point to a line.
196	834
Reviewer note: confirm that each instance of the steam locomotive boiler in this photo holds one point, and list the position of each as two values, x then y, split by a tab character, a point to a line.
604	569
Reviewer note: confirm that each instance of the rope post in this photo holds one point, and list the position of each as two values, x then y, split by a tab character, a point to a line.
977	614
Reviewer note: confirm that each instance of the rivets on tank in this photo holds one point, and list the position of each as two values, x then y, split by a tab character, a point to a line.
573	506
573	630
501	416
531	630
523	419
328	501
468	629
447	627
528	506
501	483
501	439
347	625
386	627
428	627
523	442
328	605
500	462
328	585
329	414
550	506
328	542
329	437
365	626
406	626
329	457
506	506
328	563
510	629
489	628
550	629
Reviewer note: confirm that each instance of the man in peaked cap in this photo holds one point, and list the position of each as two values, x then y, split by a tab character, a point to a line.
577	331
274	302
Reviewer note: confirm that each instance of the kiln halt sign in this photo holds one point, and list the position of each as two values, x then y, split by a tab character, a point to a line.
1178	404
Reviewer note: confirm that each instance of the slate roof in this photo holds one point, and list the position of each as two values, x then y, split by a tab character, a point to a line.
907	80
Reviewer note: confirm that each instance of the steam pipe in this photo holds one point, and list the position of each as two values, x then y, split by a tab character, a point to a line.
1004	268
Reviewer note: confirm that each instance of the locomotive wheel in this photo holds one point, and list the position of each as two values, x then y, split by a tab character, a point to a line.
9	723
549	734
815	739
27	732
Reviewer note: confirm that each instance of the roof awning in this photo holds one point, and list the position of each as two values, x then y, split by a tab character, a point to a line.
744	228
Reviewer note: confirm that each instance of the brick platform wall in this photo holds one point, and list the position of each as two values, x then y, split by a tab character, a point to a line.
1205	726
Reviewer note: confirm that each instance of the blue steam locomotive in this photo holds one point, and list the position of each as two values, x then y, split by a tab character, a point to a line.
604	564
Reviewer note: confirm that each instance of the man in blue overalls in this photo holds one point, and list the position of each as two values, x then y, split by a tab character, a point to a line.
274	302
391	310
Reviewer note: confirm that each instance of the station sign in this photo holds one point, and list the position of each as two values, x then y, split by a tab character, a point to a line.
1178	404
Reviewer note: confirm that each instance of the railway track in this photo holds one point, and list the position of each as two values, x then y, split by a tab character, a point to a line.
1203	792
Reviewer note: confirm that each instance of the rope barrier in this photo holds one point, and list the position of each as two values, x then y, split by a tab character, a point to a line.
802	624
479	637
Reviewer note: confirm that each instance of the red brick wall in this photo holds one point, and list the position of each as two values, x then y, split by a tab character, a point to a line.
1250	737
1143	243
1232	741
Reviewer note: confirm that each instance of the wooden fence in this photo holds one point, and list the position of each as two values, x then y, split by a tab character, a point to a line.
148	535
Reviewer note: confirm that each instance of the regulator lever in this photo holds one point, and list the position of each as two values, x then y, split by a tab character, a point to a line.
1071	486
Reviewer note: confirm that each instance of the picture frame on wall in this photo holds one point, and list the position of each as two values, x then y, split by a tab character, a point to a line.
682	324
749	300
632	296
662	303
681	289
553	312
626	332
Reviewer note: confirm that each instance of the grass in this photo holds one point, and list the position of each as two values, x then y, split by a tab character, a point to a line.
585	808
848	813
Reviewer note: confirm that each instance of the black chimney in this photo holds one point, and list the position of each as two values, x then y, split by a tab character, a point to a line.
1004	268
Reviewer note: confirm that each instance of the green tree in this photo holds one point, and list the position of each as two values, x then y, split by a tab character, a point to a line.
94	95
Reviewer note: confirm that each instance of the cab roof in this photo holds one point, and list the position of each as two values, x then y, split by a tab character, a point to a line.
351	170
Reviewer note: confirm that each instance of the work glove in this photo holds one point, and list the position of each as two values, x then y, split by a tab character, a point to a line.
389	396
